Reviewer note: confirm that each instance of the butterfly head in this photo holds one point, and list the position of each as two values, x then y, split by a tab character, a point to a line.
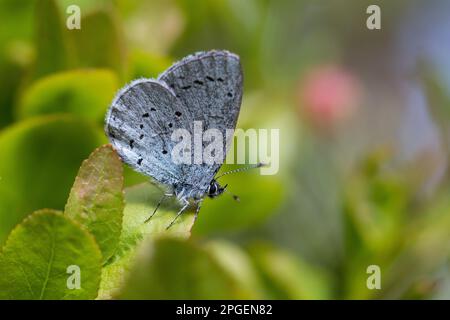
215	189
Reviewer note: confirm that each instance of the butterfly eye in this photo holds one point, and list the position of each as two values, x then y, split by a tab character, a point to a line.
212	189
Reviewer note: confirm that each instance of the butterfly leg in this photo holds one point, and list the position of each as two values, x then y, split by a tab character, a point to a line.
157	206
186	204
199	205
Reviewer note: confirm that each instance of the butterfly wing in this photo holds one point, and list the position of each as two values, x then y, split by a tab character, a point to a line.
139	125
209	84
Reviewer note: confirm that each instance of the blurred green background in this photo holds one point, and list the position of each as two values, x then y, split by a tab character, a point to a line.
364	128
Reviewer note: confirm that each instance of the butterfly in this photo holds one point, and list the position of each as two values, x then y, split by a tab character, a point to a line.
206	87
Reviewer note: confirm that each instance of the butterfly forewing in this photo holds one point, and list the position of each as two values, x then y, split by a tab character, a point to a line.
139	125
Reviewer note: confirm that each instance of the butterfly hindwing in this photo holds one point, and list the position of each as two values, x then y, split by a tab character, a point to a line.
209	84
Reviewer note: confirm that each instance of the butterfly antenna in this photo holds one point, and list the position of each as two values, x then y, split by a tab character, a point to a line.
253	166
235	197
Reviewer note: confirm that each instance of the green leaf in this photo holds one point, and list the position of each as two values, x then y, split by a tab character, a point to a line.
34	262
239	266
99	42
174	269
113	275
96	199
140	201
39	160
85	93
52	45
287	276
132	178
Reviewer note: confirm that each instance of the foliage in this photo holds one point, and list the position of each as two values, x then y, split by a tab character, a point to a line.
38	253
344	198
